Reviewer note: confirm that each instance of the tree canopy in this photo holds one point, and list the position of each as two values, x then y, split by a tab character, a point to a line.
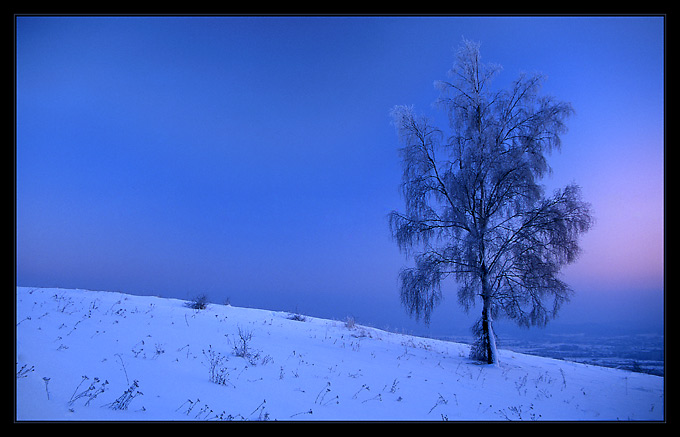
474	205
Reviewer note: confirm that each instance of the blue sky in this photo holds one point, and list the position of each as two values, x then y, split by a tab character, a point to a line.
253	159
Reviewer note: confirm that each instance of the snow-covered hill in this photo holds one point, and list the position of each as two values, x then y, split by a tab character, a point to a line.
90	355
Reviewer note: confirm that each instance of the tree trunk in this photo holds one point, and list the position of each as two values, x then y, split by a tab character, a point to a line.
488	336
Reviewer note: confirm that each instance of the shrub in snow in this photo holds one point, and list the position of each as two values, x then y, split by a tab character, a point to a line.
242	348
199	302
296	316
218	372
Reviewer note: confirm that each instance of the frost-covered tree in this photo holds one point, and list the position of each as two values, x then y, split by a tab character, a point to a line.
475	208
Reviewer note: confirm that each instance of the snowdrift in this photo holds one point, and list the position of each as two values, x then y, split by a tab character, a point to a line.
94	355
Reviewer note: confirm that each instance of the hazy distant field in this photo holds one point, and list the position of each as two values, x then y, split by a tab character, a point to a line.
636	352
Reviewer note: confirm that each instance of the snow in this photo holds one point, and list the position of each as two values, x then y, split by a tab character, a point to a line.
294	370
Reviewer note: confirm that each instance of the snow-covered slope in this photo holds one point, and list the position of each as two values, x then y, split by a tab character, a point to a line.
88	355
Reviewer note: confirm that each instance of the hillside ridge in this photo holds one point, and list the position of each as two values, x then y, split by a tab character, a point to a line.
96	355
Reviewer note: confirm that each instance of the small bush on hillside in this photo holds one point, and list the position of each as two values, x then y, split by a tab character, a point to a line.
199	302
243	349
296	316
